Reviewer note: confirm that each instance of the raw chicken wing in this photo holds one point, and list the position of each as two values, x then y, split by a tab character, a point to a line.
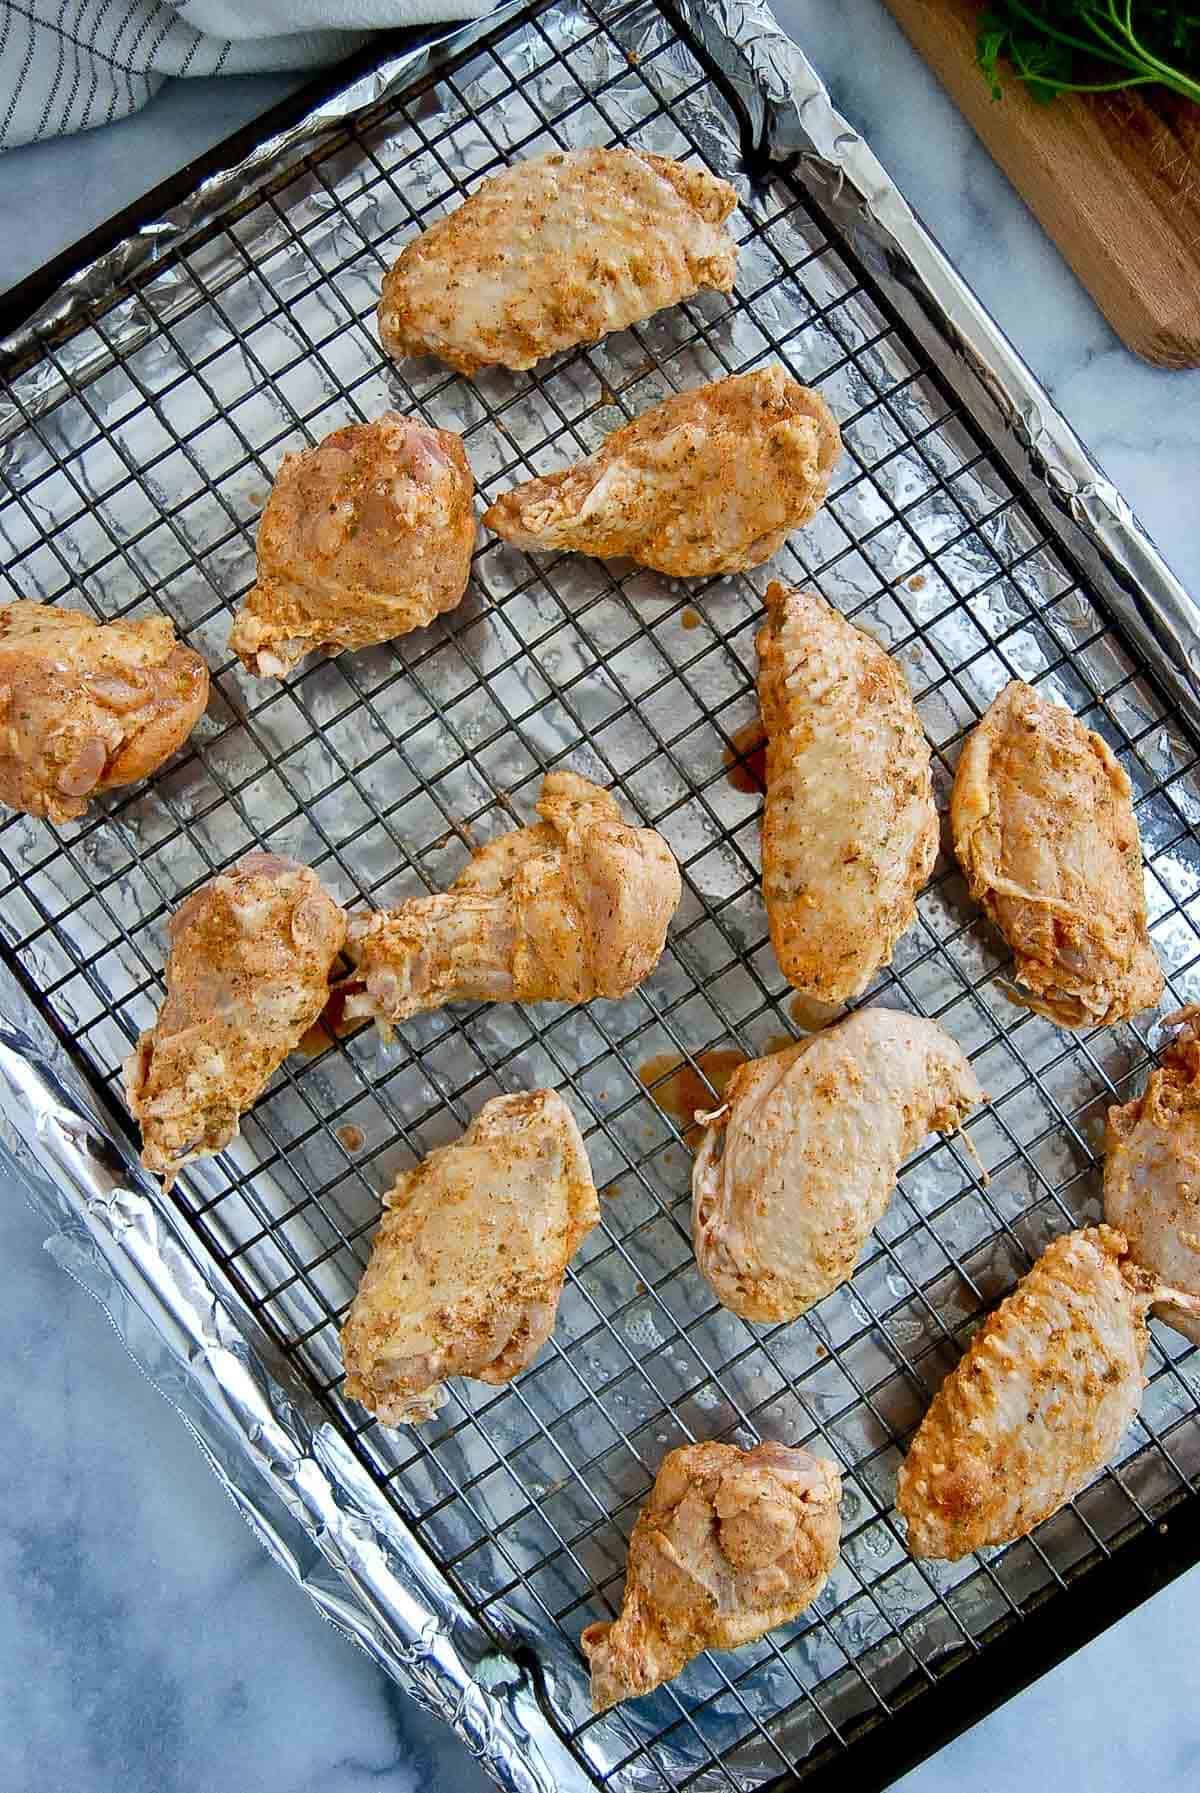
1152	1172
729	1544
710	481
850	832
1044	829
575	907
1038	1404
800	1162
365	537
556	251
247	975
87	706
466	1270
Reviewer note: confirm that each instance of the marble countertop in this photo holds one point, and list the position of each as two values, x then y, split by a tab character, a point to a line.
155	1646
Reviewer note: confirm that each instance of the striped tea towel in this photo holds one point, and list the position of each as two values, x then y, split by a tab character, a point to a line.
67	65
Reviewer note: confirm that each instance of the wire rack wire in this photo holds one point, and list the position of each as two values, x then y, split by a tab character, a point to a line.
145	443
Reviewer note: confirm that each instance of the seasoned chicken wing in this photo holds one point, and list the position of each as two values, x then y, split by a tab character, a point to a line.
729	1544
710	481
87	706
247	975
1044	829
1152	1172
467	1267
800	1162
558	250
575	907
365	537
850	831
1038	1404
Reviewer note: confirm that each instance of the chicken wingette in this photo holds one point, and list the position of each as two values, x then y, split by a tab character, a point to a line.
88	706
1043	825
1038	1404
467	1266
1152	1171
850	831
557	250
798	1165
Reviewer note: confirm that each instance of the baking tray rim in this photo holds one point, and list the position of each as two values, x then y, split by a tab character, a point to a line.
888	1746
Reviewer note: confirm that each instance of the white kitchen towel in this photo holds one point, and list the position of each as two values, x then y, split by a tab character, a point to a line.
67	65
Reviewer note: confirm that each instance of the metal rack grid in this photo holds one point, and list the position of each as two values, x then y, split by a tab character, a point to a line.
147	442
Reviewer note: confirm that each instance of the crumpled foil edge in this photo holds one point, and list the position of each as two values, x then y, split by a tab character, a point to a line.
299	1486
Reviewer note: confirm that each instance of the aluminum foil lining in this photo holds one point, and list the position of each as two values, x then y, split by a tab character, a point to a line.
309	1489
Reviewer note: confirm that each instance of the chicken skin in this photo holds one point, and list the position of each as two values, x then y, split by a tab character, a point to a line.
1043	826
467	1267
800	1162
87	706
572	908
365	537
850	831
1152	1172
710	481
247	975
558	250
729	1544
1038	1404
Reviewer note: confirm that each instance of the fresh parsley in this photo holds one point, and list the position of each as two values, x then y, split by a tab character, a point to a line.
1069	46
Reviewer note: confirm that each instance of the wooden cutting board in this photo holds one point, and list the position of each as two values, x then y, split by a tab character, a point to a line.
1113	178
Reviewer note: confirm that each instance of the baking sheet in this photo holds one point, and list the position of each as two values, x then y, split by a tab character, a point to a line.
145	414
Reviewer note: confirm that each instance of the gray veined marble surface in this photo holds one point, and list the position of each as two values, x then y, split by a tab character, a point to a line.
146	1642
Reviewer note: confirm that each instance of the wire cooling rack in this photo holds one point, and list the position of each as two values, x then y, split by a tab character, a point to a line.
147	441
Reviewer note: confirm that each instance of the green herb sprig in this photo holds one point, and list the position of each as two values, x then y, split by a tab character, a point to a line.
1068	46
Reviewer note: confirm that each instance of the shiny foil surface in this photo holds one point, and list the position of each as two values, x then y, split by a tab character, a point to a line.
146	410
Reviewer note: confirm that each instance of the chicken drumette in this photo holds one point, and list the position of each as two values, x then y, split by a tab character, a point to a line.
1044	829
850	832
247	975
558	250
1152	1172
1038	1404
572	908
710	481
364	537
801	1161
467	1267
86	706
729	1544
